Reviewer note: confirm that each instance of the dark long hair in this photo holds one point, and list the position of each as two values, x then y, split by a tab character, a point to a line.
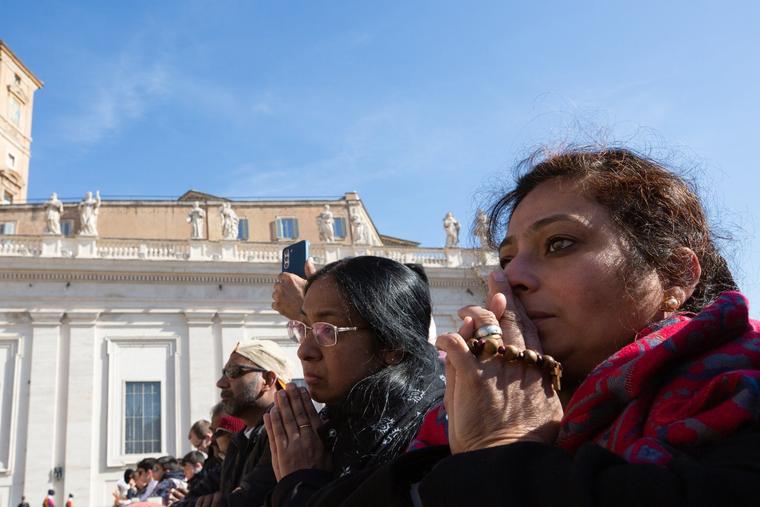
394	300
657	211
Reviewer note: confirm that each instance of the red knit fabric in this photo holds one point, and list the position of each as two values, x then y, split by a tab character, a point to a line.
231	424
683	382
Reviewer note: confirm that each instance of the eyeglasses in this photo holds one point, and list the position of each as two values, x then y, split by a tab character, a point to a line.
234	371
325	334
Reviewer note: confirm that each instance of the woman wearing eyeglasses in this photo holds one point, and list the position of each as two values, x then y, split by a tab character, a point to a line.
365	355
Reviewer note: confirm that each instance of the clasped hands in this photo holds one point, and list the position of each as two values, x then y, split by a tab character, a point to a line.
292	427
491	401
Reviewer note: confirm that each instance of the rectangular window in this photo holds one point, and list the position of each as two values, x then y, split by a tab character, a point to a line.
67	227
11	161
339	226
7	198
142	417
243	229
286	228
7	228
14	111
17	79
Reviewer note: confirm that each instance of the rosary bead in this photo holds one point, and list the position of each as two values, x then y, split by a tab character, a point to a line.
530	356
511	352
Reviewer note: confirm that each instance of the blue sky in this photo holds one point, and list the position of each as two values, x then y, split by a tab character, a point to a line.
419	106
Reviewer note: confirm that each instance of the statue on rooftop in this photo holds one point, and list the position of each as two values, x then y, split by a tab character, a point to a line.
451	226
230	222
359	229
481	229
89	208
325	222
53	212
195	219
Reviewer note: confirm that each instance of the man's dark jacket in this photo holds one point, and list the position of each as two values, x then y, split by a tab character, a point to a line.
247	474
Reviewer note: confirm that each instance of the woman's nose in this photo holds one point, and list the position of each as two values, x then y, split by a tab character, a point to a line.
521	273
308	350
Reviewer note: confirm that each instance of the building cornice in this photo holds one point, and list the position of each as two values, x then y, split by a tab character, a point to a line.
64	276
132	277
5	49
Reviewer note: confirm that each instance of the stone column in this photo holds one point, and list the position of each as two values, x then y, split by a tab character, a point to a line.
232	331
81	450
43	396
203	370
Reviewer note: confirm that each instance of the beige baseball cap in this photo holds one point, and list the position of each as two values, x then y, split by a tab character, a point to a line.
268	355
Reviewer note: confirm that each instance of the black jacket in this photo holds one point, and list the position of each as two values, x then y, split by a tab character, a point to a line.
247	474
537	475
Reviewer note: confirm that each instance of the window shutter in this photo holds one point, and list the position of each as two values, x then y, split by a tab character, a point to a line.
243	229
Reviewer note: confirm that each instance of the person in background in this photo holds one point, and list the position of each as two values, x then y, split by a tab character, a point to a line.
212	460
226	430
125	487
169	475
145	482
210	479
70	501
23	503
192	465
200	435
49	500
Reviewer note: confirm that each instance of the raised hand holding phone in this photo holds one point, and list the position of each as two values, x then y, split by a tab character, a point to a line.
294	258
297	266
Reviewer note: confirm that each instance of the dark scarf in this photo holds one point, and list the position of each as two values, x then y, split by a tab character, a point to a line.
357	438
684	382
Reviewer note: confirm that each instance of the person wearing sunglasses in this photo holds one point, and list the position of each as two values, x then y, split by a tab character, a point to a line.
363	345
254	372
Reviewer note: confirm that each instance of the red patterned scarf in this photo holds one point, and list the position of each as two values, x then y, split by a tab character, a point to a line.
685	381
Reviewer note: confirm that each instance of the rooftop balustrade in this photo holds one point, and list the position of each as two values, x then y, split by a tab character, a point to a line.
228	251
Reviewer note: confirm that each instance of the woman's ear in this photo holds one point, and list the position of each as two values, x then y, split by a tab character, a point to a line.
686	262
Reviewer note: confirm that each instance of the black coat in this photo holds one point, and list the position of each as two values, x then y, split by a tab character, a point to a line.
538	475
247	474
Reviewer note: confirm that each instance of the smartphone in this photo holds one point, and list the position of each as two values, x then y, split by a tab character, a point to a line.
294	257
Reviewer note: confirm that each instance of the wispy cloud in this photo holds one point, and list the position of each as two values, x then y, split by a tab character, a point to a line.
390	142
118	92
240	105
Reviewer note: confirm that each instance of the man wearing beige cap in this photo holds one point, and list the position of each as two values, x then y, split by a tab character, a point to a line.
254	372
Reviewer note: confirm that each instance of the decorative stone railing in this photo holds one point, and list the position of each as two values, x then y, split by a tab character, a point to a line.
227	251
20	246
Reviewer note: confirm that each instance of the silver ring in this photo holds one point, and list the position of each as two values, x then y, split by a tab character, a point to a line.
490	329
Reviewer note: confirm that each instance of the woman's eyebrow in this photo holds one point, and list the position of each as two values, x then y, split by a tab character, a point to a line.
538	224
324	313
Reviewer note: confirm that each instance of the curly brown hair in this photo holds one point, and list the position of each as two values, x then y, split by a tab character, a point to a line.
657	211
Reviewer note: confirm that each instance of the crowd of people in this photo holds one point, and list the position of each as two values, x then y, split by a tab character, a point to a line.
613	363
